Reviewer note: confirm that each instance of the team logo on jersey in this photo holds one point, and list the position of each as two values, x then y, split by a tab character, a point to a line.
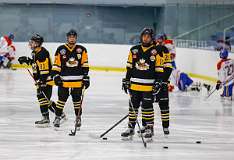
72	62
63	51
78	50
134	51
154	52
152	58
79	56
142	65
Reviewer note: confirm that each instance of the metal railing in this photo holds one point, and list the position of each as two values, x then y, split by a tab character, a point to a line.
194	44
206	45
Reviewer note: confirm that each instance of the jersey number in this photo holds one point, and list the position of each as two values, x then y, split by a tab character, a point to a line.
229	69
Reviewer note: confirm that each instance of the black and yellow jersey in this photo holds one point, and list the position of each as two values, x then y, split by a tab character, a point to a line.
167	63
167	57
71	64
42	65
144	66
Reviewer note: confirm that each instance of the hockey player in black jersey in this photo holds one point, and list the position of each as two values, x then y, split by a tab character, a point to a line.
163	96
143	78
41	66
70	74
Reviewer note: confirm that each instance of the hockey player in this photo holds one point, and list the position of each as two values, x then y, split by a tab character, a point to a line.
41	66
70	74
171	47
143	77
163	96
7	57
6	41
184	82
225	69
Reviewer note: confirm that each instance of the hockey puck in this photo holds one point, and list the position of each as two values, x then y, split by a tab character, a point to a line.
165	147
198	142
104	138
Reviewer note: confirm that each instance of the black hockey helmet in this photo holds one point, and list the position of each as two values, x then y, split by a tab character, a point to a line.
38	39
72	32
148	31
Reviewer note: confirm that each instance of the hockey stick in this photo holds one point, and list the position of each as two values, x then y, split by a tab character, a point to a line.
142	138
211	93
224	83
107	131
41	91
35	82
73	133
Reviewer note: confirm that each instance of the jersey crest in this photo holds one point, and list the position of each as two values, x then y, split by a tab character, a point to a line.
142	65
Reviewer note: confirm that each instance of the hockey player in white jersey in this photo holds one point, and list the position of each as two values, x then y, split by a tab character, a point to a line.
6	57
225	69
6	41
7	50
183	81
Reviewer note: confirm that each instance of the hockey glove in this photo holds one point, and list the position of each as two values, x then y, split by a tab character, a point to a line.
125	85
218	85
156	87
40	84
58	80
86	81
24	59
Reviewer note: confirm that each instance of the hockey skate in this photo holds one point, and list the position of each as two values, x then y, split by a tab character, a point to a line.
44	123
78	123
128	134
143	130
148	135
195	87
166	132
57	121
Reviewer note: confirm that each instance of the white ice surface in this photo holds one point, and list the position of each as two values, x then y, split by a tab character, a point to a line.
192	119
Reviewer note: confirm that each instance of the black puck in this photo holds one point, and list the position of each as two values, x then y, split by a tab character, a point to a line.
104	138
165	147
198	142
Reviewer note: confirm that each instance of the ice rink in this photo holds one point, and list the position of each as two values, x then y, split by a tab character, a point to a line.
192	119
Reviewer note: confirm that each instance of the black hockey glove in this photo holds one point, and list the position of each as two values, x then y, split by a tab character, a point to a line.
157	86
40	84
218	85
58	80
125	85
86	81
24	59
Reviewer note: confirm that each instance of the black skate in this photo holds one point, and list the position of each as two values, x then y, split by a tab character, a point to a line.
148	135
44	123
142	131
166	132
78	123
196	87
57	121
128	134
